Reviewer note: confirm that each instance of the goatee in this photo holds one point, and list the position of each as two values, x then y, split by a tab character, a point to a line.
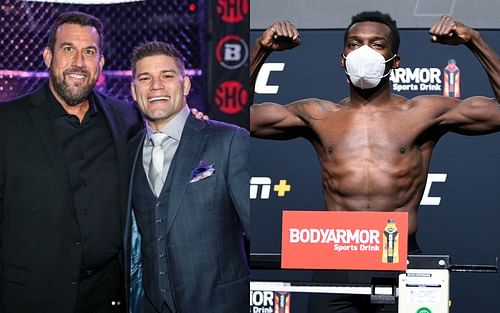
63	89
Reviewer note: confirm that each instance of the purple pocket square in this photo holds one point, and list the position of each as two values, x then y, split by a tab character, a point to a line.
203	171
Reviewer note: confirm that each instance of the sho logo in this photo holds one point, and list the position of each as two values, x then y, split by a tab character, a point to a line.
231	52
233	11
231	97
264	185
261	84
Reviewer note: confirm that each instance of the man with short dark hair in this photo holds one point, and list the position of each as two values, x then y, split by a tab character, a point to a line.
63	182
189	193
374	147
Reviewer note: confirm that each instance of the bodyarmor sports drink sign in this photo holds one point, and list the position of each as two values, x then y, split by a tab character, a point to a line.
344	240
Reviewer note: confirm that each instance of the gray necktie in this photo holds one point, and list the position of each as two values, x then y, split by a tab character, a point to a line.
157	159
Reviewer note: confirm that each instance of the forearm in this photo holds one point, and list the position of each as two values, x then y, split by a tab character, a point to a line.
258	56
488	59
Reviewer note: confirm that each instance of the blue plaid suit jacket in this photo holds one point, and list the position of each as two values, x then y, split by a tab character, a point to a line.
205	219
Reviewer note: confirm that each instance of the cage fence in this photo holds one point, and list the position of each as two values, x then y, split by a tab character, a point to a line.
24	30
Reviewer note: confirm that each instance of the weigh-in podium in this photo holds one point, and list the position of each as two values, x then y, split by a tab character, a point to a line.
361	241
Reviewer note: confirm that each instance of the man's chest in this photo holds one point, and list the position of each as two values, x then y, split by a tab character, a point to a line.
381	131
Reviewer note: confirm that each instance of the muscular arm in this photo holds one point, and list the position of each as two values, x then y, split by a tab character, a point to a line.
276	121
474	115
272	120
488	59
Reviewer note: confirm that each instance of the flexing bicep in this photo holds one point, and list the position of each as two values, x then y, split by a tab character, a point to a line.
474	115
272	120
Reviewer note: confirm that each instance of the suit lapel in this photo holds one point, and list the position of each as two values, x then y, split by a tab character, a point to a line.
185	160
118	135
135	147
42	120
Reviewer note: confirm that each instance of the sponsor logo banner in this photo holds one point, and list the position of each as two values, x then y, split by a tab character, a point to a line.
231	96
344	240
231	52
263	184
227	83
269	301
451	80
416	79
233	11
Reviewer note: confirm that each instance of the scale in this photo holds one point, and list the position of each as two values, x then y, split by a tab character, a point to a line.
423	288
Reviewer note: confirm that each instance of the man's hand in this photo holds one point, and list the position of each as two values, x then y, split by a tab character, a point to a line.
280	36
199	115
450	32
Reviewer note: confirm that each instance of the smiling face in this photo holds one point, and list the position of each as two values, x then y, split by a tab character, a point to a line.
74	64
160	89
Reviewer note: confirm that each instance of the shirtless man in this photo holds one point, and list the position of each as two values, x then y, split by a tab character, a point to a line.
375	147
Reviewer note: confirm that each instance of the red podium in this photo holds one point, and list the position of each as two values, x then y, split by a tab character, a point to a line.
344	240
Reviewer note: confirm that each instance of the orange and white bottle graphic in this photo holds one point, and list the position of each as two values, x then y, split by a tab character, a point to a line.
281	302
390	250
451	80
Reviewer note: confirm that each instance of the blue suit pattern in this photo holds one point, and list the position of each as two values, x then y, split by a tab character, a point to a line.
204	222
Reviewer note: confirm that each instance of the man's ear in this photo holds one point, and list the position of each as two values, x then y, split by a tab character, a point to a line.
186	85
342	61
101	62
396	62
132	91
47	57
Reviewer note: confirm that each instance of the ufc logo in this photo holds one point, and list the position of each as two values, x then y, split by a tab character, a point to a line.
261	85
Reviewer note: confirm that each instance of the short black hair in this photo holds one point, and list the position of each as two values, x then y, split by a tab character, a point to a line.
377	16
151	48
78	18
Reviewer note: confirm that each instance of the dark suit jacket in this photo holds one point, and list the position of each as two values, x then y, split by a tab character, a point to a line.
39	260
204	219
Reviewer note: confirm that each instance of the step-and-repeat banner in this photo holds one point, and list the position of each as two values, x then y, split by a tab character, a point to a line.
227	64
460	209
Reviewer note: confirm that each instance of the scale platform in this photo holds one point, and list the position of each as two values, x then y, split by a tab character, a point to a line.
423	288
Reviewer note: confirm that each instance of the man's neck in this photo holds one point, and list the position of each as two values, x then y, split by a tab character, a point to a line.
378	96
175	120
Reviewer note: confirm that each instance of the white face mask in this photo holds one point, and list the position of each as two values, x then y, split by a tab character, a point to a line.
366	67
